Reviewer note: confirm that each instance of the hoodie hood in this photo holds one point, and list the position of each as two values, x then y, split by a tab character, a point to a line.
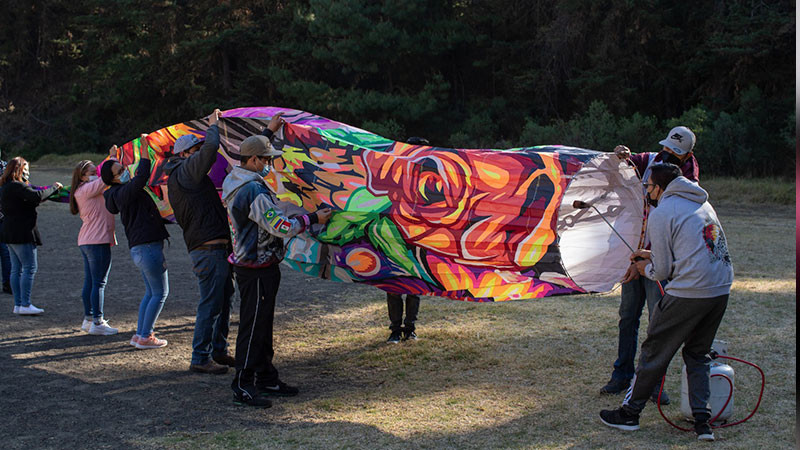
172	164
684	188
236	179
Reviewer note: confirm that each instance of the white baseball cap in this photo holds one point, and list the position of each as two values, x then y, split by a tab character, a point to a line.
680	140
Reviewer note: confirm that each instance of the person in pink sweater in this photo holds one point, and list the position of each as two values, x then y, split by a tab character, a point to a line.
94	240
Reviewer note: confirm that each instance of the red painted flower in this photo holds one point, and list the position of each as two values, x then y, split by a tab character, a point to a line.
481	207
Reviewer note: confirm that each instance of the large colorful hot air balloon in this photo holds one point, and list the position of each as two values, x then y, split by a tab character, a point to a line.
468	224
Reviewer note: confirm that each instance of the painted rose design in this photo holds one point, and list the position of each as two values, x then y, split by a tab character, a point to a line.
480	207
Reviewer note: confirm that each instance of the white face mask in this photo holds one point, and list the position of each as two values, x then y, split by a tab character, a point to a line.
26	175
92	177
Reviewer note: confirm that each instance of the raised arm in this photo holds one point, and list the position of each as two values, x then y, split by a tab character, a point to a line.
198	165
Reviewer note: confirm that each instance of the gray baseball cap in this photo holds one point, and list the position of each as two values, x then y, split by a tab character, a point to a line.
680	140
257	145
184	143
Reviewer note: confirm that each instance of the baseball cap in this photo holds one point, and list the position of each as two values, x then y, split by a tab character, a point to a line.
680	140
185	142
257	145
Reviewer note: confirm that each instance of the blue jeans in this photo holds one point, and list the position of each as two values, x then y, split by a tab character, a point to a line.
5	262
96	265
215	280
23	268
149	258
634	295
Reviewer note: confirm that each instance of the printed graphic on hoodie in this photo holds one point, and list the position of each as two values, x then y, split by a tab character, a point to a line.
716	244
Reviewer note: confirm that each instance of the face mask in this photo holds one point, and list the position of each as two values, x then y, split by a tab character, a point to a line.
264	172
668	157
92	177
26	175
125	177
651	201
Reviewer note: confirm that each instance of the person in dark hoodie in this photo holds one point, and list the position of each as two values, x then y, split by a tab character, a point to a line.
688	247
146	232
201	215
259	229
18	201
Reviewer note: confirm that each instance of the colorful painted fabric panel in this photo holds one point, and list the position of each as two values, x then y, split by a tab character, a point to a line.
468	224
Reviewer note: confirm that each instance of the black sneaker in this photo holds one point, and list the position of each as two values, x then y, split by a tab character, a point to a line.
280	389
703	430
664	397
7	288
247	396
395	337
409	336
619	419
614	386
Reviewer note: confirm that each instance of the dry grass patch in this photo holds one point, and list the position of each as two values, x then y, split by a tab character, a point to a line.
521	374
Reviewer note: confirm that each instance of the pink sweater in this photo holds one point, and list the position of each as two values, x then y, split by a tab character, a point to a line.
98	223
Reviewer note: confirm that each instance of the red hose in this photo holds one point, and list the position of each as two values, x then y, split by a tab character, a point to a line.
730	395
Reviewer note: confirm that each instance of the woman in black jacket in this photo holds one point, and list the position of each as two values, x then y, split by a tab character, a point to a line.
146	232
18	201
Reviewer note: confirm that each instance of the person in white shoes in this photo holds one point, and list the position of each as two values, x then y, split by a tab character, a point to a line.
18	201
94	241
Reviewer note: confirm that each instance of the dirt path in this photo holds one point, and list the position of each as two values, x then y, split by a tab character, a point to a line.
61	387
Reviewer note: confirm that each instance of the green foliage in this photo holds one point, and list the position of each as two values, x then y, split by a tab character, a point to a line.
81	75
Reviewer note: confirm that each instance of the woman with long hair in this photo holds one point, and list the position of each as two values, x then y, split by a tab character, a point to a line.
146	232
19	200
94	240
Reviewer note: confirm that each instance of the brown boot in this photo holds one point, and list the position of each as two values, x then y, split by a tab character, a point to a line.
224	359
209	367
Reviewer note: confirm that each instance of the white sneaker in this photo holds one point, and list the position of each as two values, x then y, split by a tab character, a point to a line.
86	325
102	329
16	309
29	310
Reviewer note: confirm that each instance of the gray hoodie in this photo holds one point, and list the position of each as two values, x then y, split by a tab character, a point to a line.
687	243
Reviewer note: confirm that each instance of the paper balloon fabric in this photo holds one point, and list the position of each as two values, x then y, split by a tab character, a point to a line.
467	224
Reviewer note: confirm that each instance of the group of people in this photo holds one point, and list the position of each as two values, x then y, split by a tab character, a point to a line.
682	272
249	248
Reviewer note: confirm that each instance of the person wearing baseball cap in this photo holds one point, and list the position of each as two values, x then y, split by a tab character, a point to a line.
199	212
259	227
678	149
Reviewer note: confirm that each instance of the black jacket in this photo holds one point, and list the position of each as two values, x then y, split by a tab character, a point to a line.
143	224
18	202
193	196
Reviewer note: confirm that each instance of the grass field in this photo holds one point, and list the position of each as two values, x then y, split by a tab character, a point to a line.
526	374
522	374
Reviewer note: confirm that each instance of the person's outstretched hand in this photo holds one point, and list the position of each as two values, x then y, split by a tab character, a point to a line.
622	152
144	150
276	122
112	152
323	215
213	118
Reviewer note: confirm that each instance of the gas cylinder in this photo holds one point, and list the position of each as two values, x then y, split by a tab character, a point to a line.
719	387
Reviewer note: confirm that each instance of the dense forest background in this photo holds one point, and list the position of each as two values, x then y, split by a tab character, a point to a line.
80	75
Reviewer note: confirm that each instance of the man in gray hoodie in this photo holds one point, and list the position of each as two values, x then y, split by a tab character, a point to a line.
689	249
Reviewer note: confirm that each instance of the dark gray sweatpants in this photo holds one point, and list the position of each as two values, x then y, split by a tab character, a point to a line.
676	321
